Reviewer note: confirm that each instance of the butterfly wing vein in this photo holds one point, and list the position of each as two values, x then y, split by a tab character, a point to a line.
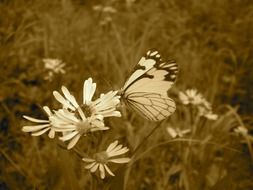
152	106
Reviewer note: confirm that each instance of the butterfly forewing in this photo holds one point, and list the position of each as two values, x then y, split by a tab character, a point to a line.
146	89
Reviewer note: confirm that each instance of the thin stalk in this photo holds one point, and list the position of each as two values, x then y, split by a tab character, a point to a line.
182	140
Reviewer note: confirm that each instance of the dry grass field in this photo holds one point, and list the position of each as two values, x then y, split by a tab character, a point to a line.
199	147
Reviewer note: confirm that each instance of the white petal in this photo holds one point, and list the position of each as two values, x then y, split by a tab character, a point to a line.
68	117
51	134
88	160
118	152
84	92
118	147
47	110
64	129
65	116
97	123
112	146
186	131
100	117
172	132
183	98
34	128
93	129
112	114
211	116
120	160
69	97
74	141
40	132
102	171
68	136
89	166
63	101
92	91
108	170
88	90
35	120
95	167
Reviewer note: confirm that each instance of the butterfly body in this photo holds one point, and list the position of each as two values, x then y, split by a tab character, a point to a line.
145	91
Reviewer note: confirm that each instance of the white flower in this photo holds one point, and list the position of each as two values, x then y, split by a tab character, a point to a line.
73	126
75	120
174	133
44	125
211	116
54	66
105	9
105	105
241	130
101	159
205	109
191	96
106	12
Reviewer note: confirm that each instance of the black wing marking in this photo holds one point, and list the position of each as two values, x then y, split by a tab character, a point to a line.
151	68
145	91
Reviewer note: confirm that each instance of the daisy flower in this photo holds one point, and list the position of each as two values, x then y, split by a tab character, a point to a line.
241	130
205	110
105	9
244	132
193	97
101	159
105	105
175	133
53	66
190	96
74	126
43	125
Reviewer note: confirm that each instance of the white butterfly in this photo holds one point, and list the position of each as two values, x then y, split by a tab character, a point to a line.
145	91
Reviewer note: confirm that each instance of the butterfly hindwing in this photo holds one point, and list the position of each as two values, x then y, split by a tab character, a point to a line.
146	89
152	106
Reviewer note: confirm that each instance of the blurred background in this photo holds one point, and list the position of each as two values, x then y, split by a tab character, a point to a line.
212	42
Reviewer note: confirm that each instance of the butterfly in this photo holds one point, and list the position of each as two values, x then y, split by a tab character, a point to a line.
145	90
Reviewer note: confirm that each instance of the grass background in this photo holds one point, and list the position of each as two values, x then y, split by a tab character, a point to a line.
212	43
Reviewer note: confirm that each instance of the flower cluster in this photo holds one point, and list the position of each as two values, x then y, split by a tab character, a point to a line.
194	98
74	120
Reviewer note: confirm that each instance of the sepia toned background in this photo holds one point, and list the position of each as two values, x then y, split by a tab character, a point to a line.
212	42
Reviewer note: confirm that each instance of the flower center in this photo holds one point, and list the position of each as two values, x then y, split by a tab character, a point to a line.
83	127
191	99
87	110
101	157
